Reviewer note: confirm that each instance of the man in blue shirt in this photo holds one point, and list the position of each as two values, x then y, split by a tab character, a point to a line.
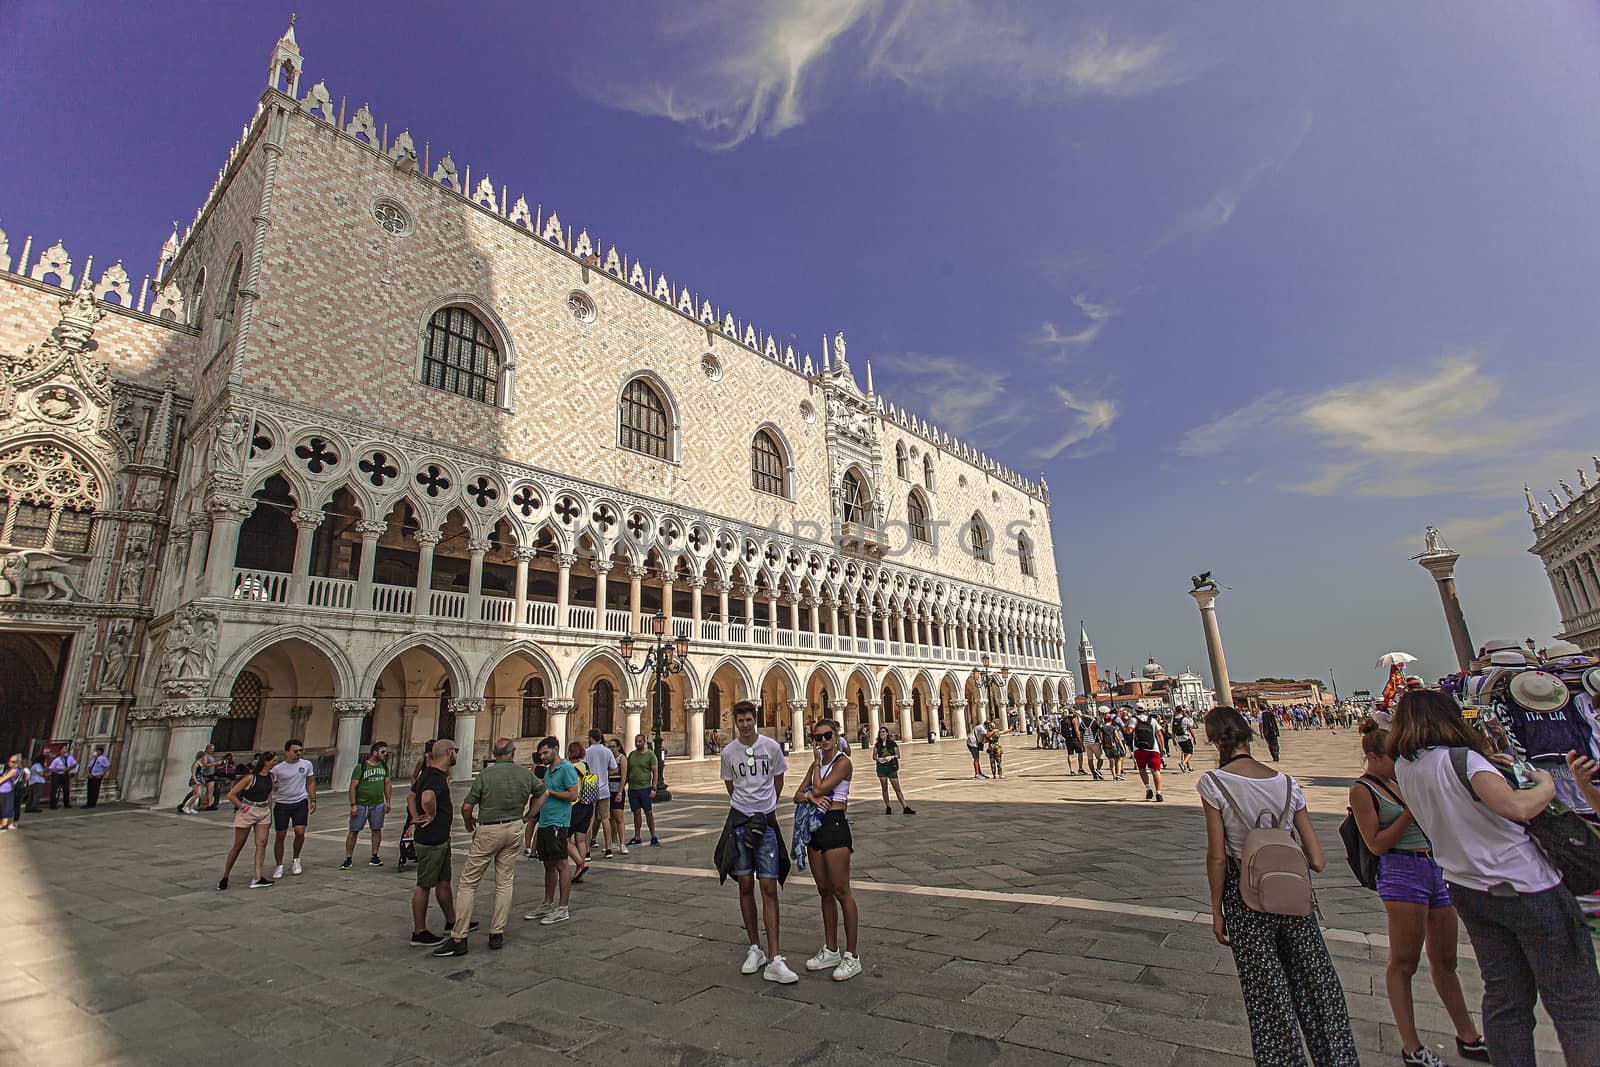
97	773
554	809
62	768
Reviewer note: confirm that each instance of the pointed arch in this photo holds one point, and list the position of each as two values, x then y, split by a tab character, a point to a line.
339	663
648	417
634	689
455	667
739	668
830	678
534	652
786	669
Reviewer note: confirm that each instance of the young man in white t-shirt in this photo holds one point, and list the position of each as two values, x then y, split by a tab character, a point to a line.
602	763
294	798
752	768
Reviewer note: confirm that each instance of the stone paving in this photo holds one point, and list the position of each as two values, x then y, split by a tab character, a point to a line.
1042	919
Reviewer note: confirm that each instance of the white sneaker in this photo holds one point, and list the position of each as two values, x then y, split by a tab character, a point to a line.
624	850
778	971
295	868
754	960
277	872
557	915
849	967
540	912
826	959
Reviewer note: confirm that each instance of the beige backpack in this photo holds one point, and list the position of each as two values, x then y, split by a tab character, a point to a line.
1274	876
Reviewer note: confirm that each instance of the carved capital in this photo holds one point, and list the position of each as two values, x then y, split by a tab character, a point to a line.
428	537
560	705
744	592
697	581
180	534
838	707
524	555
466	706
226	506
638	573
797	705
193	712
959	705
692	706
348	709
565	560
719	587
601	566
634	706
306	518
479	545
371	528
146	716
788	600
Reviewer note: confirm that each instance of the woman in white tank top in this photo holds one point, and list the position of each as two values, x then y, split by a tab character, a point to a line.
827	785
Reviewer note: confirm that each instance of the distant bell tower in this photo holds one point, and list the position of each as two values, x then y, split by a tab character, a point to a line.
284	73
1086	666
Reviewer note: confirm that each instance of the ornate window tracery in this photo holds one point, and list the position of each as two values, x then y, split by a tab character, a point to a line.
1025	555
901	468
917	517
856	502
767	464
645	426
47	498
461	356
978	533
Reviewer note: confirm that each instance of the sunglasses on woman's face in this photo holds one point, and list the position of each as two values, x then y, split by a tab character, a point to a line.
823	736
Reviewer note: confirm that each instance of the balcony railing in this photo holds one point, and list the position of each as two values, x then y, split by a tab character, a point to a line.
340	594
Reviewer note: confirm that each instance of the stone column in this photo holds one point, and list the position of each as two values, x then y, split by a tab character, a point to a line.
852	617
477	547
797	723
748	594
697	586
696	737
189	724
306	521
723	589
1442	565
668	579
635	596
772	617
497	715
900	628
1207	599
144	759
793	603
602	575
426	540
347	749
874	718
559	708
632	721
466	712
227	515
903	707
519	610
370	533
564	562
958	717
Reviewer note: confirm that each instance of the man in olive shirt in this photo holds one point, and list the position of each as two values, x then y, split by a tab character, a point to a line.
493	813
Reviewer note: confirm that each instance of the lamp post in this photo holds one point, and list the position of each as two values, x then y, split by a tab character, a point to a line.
664	656
983	678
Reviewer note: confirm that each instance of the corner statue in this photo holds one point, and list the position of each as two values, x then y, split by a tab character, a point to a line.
1204	581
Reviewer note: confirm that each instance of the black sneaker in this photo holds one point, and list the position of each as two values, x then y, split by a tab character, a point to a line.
1159	798
345	866
497	941
262	883
375	861
1477	1049
1149	794
222	883
426	939
452	947
908	811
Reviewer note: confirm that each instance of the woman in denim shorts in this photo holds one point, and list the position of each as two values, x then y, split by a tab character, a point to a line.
1412	888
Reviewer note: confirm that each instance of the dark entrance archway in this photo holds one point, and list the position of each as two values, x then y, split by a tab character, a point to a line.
31	669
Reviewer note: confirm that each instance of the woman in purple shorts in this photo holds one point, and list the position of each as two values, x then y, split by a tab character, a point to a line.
1412	888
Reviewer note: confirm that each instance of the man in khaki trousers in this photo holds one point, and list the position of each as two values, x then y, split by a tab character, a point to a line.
493	814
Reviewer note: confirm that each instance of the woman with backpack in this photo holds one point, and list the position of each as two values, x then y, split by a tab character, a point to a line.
1111	743
1526	929
1413	892
886	756
582	811
1285	972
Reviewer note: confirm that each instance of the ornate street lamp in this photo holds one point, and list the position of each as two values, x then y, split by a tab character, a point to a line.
664	656
983	678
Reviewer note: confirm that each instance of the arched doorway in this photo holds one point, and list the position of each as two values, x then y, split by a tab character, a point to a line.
34	665
514	695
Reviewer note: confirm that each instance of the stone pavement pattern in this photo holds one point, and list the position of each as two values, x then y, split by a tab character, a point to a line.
1043	919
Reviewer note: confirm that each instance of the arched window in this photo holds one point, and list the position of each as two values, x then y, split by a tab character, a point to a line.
901	469
48	495
1025	555
197	301
856	502
237	729
917	518
645	427
927	471
978	532
231	297
533	717
767	464
461	356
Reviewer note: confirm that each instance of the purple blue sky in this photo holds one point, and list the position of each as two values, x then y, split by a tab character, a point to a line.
1261	289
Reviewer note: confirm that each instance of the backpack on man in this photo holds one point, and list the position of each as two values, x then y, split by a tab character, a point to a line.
1274	875
1144	733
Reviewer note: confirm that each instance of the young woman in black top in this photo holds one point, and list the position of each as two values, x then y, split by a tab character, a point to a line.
251	811
886	755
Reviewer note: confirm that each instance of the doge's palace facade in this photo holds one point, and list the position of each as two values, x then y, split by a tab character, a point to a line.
378	452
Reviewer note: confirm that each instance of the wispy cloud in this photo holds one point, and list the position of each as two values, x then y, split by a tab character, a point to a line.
1402	433
737	69
1088	420
1095	315
950	394
1219	210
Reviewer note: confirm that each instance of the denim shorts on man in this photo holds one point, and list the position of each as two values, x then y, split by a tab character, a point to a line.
1407	879
761	861
367	815
639	800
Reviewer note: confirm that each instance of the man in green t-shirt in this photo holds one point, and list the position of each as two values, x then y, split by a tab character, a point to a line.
643	773
370	795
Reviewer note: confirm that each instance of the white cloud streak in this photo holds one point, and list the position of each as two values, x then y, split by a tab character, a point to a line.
1088	418
738	69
